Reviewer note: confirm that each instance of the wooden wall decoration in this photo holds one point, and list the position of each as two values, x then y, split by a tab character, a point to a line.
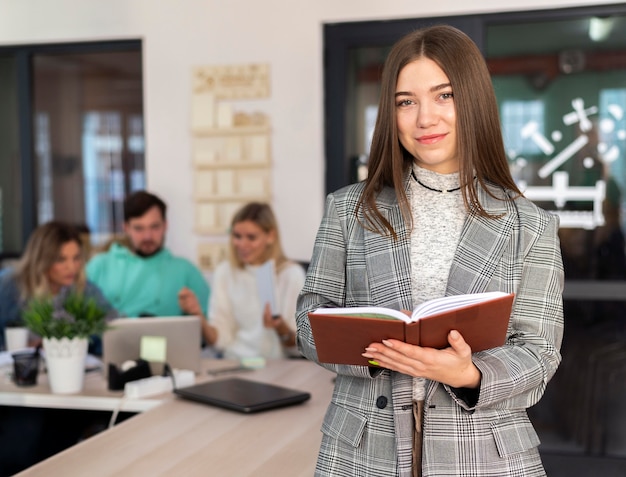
231	150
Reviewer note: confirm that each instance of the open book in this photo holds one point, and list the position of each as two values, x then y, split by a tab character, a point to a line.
341	334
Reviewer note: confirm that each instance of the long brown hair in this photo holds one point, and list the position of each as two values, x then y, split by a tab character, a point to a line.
42	250
262	215
479	139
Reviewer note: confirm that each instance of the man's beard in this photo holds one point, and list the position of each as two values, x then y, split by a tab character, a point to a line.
143	254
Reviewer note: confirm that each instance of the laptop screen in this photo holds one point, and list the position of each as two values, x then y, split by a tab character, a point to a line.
122	341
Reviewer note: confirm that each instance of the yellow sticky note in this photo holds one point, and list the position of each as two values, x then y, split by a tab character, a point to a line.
153	348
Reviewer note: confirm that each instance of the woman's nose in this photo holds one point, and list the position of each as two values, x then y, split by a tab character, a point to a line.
425	116
74	266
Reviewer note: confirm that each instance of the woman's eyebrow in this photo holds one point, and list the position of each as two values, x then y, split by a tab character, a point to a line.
440	87
433	89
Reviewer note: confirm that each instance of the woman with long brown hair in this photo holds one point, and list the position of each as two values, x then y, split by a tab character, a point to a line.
439	214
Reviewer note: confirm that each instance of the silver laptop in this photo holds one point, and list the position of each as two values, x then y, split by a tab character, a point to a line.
122	341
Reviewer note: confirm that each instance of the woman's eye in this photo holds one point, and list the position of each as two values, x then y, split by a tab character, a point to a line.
447	96
405	102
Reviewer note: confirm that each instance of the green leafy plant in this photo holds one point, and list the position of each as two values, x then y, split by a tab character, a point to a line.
71	316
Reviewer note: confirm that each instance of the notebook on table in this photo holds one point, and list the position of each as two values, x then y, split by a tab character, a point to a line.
242	395
122	341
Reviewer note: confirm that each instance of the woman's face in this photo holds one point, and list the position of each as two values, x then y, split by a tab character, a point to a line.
426	116
251	242
65	269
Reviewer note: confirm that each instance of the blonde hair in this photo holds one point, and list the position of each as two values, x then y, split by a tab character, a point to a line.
40	254
262	215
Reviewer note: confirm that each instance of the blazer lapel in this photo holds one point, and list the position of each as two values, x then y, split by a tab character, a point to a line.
388	260
482	244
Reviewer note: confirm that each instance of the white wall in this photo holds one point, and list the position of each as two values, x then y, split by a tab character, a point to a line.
181	34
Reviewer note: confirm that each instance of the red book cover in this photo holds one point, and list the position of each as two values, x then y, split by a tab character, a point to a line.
342	334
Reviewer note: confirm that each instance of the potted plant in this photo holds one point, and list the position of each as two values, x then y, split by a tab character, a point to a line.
65	322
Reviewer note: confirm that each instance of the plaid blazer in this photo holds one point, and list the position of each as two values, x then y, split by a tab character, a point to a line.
367	430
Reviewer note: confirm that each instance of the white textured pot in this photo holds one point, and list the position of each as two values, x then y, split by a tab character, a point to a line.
65	363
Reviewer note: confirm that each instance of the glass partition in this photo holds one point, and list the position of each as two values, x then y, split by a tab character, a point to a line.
561	88
88	135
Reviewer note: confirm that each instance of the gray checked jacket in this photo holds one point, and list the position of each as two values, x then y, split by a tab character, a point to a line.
367	429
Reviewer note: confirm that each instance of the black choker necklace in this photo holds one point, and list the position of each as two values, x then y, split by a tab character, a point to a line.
431	188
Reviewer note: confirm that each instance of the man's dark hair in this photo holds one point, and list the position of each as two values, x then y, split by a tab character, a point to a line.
139	202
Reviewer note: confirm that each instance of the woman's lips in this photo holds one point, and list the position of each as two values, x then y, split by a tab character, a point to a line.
431	139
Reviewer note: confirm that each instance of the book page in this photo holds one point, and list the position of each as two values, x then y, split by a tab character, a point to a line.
365	312
446	303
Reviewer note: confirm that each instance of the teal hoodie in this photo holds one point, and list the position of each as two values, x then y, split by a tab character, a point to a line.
138	286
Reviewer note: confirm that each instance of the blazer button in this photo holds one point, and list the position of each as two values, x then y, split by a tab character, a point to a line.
381	402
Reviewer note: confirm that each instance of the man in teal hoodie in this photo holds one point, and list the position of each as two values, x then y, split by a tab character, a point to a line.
145	279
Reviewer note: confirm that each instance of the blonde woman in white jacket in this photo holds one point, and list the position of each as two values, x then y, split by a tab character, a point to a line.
239	325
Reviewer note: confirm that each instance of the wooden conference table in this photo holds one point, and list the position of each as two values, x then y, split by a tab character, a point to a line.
176	437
